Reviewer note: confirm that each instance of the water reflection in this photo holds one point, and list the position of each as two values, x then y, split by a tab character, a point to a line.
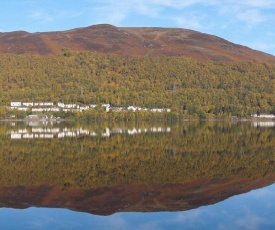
263	124
140	167
56	132
252	210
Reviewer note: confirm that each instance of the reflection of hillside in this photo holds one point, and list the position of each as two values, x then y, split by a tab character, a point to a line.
131	197
192	165
187	153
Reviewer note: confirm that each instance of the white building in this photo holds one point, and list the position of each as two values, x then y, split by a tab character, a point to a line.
263	115
107	107
28	104
60	104
22	108
15	103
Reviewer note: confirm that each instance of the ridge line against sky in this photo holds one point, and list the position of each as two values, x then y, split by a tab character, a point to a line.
246	22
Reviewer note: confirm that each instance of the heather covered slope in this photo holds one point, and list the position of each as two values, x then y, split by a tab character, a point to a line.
131	42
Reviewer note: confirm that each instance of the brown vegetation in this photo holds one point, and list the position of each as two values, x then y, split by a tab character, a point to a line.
131	42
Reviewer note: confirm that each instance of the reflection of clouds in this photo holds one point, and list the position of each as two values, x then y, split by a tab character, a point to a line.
117	222
123	222
39	222
194	219
191	216
263	192
149	226
250	222
250	211
45	223
253	210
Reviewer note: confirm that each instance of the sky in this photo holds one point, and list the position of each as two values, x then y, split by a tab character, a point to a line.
246	22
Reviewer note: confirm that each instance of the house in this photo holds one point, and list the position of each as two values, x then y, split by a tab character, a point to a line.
16	104
28	104
107	107
118	108
54	109
156	110
263	115
48	104
60	104
38	109
22	108
70	106
133	108
66	110
267	116
82	108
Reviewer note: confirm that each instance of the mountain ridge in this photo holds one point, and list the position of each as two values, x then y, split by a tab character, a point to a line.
131	41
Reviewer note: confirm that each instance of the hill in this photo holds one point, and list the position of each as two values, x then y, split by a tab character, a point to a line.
131	42
186	86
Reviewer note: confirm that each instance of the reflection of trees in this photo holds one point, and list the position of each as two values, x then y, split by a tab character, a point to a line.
212	151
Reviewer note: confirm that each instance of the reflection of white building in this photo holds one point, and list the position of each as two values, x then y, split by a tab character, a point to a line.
106	133
49	133
16	136
263	124
19	108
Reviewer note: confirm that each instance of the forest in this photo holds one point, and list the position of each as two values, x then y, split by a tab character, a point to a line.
190	152
190	88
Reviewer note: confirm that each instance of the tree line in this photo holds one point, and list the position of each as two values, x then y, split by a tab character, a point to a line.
189	87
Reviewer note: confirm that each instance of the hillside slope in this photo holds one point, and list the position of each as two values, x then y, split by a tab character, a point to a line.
131	42
185	85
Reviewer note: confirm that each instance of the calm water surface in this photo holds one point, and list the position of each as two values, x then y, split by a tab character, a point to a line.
216	175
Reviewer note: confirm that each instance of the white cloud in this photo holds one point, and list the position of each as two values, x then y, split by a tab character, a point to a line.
190	22
257	3
41	16
251	17
177	3
245	11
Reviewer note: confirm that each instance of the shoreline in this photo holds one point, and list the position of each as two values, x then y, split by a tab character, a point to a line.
137	119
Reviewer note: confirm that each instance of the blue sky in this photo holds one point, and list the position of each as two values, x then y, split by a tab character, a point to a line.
247	22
